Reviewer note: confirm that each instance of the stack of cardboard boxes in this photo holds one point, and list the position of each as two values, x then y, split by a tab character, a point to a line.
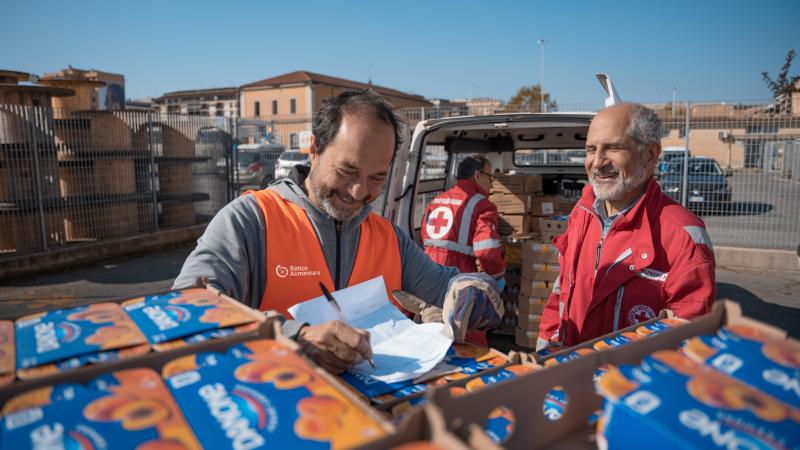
516	199
539	271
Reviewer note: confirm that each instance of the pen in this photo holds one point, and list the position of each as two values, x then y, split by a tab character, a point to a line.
338	310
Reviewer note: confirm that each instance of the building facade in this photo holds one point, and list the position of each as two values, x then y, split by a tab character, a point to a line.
109	92
215	102
290	100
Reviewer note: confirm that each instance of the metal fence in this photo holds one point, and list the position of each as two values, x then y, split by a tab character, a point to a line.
741	174
76	177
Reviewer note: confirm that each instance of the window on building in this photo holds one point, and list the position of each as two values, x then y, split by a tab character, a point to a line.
274	107
293	106
294	140
257	109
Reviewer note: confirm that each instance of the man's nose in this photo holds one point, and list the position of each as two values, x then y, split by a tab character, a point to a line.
359	190
600	159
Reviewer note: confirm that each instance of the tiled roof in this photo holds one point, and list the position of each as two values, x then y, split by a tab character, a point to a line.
303	77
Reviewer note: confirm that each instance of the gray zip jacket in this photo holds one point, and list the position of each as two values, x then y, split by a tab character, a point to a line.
231	253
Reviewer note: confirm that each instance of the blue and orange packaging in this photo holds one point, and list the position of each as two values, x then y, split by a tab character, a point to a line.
205	336
41	397
62	334
135	411
754	357
659	326
616	341
270	397
8	362
504	374
676	402
560	359
82	360
178	314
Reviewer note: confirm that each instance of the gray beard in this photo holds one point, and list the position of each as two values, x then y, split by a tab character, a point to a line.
620	188
325	202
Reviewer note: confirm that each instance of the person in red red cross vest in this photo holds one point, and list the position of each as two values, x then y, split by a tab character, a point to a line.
459	228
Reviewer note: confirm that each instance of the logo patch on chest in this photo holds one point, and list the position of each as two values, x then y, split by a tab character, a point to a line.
653	275
640	313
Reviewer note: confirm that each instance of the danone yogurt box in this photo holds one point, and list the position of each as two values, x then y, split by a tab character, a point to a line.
758	359
178	314
8	362
135	411
41	397
205	336
659	326
58	335
82	360
674	402
270	398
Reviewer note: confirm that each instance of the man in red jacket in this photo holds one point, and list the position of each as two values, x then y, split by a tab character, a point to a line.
629	250
459	228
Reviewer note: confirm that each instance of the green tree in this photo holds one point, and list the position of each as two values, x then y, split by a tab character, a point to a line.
529	98
783	86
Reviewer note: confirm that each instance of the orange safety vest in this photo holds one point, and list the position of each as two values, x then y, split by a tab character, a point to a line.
295	262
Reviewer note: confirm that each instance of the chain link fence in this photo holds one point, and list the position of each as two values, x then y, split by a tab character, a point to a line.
73	177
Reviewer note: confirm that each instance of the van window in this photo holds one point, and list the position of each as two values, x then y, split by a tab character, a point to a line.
434	163
547	157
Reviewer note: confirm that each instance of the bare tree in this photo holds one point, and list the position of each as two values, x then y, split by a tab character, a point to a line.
783	86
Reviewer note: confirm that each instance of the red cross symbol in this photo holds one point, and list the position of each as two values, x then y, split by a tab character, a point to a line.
439	221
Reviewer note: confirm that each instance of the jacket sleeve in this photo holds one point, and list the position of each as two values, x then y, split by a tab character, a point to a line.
421	276
551	315
230	253
486	243
691	286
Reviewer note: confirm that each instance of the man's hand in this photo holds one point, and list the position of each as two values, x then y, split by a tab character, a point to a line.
335	346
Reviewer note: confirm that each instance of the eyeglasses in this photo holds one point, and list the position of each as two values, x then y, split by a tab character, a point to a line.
491	177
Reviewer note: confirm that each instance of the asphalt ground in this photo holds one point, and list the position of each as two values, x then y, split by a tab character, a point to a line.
772	297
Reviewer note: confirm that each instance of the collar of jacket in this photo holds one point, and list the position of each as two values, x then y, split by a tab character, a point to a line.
471	187
293	189
639	217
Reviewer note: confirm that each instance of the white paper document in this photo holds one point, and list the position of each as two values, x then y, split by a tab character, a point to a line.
402	349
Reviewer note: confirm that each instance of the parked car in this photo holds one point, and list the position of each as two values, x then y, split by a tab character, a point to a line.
707	183
287	160
255	164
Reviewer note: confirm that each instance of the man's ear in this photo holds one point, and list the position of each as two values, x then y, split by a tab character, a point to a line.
312	149
651	154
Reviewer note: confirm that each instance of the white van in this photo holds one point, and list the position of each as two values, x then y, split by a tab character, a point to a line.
536	143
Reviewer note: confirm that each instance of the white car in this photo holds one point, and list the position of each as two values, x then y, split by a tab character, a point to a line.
287	160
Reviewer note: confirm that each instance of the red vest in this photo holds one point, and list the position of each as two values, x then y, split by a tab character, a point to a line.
295	262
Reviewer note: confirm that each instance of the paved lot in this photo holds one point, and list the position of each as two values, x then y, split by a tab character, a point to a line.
772	297
764	213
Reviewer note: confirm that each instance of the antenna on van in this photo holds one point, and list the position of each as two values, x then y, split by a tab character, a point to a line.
608	86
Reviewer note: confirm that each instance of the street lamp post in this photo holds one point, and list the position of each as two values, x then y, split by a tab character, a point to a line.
541	43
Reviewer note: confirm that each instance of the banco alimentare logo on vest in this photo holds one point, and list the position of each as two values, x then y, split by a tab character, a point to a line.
295	271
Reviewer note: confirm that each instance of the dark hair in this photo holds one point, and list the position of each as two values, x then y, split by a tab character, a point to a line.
366	102
471	164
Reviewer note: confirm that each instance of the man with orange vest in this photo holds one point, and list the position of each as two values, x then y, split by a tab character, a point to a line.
271	248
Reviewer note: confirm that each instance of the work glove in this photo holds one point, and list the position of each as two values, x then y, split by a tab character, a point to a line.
472	302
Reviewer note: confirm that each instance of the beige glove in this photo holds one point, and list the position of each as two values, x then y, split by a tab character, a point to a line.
423	312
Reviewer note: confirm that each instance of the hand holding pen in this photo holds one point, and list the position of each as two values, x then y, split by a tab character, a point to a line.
363	346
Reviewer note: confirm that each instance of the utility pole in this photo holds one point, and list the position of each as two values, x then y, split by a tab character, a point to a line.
674	91
541	43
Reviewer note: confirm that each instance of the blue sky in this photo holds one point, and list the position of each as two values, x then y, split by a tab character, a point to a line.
709	50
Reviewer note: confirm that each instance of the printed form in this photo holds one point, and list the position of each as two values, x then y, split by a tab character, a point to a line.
402	349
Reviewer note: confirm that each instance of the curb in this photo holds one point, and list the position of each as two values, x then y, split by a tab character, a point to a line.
757	258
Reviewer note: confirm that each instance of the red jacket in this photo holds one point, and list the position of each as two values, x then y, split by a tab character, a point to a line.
460	226
656	256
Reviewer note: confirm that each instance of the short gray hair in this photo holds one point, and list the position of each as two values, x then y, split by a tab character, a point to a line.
644	126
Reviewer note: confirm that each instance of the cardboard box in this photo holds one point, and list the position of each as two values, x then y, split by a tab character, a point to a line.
533	430
529	321
540	272
514	223
550	228
426	425
512	203
517	183
538	252
535	288
555	205
531	305
526	338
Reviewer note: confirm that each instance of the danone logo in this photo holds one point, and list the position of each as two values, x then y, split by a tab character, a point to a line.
295	271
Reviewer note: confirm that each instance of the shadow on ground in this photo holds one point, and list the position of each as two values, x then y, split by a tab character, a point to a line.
783	317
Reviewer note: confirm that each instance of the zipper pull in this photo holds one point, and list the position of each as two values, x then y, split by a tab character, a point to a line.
597	258
338	226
